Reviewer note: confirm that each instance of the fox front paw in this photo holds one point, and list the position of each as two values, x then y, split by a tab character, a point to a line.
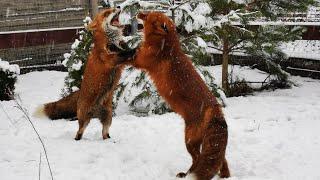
106	136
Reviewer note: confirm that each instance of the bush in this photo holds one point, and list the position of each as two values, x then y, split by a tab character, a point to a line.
8	78
239	88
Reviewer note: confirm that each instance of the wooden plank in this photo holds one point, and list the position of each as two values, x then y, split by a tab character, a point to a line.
53	20
18	40
16	7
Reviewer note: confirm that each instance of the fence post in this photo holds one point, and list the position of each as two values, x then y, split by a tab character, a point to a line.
93	7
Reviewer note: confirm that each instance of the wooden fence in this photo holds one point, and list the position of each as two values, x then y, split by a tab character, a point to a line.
36	33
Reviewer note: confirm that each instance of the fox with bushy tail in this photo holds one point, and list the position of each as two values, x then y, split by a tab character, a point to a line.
206	131
100	79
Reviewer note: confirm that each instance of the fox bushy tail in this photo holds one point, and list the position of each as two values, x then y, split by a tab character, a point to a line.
65	108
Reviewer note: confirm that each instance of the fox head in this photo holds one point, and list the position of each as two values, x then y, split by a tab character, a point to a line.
158	28
106	27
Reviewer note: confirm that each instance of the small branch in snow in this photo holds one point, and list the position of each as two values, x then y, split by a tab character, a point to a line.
248	82
27	117
265	80
40	167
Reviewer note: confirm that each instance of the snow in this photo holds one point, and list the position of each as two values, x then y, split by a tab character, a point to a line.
198	18
66	59
307	49
6	67
86	21
77	66
272	135
201	42
75	44
142	4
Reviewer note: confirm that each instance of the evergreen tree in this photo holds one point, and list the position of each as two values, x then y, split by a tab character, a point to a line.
190	19
232	30
76	59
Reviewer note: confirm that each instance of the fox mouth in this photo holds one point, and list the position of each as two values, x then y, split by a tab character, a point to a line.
118	32
114	20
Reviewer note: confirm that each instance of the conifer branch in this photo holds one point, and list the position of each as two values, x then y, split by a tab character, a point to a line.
215	48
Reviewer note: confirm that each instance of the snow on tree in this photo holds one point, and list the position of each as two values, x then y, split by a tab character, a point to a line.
8	78
76	59
188	16
135	89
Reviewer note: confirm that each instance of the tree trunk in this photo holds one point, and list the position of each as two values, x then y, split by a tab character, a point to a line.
225	62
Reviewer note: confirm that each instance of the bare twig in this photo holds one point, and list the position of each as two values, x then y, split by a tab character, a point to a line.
40	167
19	106
248	82
215	48
266	79
231	48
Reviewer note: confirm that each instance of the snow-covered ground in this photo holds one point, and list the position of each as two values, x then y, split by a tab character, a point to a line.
273	135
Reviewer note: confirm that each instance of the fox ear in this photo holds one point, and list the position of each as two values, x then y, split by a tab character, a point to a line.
92	26
142	16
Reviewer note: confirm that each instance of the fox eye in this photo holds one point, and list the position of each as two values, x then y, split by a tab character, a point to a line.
164	27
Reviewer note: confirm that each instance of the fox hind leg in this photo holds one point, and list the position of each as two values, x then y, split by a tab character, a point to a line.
84	116
83	123
193	146
224	171
105	116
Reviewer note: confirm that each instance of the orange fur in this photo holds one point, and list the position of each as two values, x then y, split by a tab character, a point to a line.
63	108
100	79
177	81
101	76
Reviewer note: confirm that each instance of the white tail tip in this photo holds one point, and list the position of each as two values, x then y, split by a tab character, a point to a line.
39	112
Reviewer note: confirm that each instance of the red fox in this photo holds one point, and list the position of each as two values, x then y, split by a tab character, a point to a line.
101	77
101	74
206	131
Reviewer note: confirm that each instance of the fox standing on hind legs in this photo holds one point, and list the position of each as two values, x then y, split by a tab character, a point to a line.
206	132
101	75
